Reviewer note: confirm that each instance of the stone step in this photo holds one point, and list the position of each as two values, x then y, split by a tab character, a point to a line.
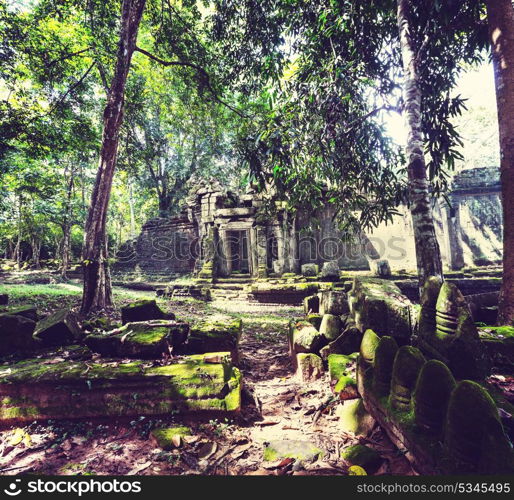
234	280
228	286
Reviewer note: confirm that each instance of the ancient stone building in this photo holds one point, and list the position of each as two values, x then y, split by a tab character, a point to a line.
220	234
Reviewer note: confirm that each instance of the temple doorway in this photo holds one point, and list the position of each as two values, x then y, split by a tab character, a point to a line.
238	241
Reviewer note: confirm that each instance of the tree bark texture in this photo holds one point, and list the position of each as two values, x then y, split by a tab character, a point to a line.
97	294
428	256
500	16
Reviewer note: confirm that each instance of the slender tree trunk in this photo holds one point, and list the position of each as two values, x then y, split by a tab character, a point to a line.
500	16
67	224
65	249
428	255
97	293
36	252
17	251
132	212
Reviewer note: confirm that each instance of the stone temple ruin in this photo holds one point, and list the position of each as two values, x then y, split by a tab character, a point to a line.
220	234
422	372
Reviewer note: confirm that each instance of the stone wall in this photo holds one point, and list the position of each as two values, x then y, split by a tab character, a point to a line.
165	246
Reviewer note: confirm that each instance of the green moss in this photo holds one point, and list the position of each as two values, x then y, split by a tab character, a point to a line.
474	439
505	331
431	396
343	383
406	368
164	437
363	456
383	365
369	345
337	365
299	450
354	418
315	320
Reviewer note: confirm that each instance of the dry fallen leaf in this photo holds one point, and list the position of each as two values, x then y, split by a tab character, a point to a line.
207	450
139	468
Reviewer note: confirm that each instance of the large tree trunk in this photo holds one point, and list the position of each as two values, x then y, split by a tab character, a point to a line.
500	15
97	293
428	255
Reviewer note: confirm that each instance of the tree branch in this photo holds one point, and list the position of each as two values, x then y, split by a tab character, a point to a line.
72	88
197	68
68	56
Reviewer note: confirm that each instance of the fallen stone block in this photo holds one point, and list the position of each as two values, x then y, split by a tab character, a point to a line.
290	448
4	299
310	269
304	337
29	312
16	334
310	367
354	418
40	389
348	342
330	327
60	328
141	340
379	305
143	310
215	334
333	302
311	304
330	271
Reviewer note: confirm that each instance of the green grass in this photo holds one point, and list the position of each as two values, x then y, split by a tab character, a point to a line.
61	295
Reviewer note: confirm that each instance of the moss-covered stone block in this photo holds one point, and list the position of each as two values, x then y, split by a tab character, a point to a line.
143	340
290	448
315	320
474	438
354	418
383	365
60	328
338	366
379	305
368	347
16	334
27	311
310	367
330	327
309	269
431	396
40	389
363	456
219	333
143	310
348	342
166	438
407	365
333	302
305	338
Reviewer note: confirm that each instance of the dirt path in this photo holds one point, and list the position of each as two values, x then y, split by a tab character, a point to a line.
277	407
